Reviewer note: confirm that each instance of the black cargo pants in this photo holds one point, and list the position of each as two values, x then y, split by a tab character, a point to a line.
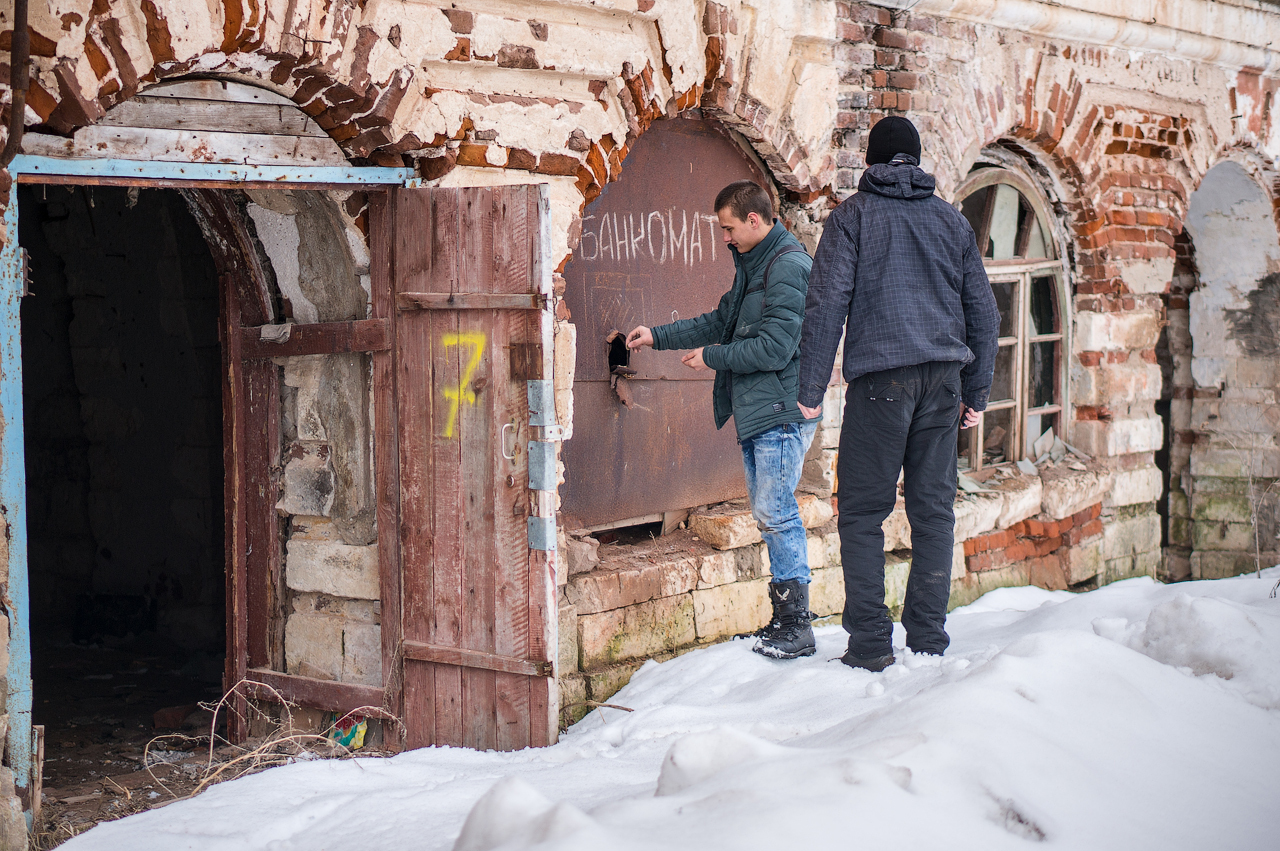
900	419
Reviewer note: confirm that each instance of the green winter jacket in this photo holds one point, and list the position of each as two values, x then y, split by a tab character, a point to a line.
752	339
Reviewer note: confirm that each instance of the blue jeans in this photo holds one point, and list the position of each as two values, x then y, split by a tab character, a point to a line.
773	460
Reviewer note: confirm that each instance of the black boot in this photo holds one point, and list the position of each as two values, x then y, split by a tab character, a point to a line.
875	664
793	636
770	629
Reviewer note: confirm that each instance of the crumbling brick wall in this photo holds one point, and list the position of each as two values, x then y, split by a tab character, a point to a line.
1118	139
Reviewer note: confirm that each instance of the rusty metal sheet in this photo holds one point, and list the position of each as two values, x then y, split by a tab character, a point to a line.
651	250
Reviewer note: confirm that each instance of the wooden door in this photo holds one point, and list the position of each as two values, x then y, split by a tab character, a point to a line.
465	535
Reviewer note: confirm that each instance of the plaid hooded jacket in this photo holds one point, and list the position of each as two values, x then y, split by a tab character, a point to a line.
899	271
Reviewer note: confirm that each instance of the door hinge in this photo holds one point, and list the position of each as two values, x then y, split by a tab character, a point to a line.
542	402
542	534
542	465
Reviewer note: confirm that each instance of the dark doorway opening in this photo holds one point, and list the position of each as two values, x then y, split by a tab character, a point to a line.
123	429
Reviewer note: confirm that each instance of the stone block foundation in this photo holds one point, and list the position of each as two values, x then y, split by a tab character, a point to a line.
659	597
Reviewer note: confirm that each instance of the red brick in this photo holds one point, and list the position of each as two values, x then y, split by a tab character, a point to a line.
904	80
850	31
890	38
981	561
1019	551
1048	545
1090	358
1047	573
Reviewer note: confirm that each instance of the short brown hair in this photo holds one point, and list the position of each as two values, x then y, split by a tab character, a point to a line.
743	197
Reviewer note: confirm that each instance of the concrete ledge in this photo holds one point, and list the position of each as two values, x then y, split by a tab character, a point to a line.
1125	537
1082	562
731	525
630	582
727	610
1068	491
635	632
974	585
1220	565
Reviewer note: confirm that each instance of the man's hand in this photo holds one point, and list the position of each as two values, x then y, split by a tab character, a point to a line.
639	336
969	417
809	413
693	360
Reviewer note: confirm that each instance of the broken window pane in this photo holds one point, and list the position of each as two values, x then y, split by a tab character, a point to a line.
997	436
1006	301
1002	381
1043	374
1043	312
1004	222
974	207
1037	424
1036	248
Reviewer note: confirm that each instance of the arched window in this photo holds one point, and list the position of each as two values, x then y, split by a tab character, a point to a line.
1028	393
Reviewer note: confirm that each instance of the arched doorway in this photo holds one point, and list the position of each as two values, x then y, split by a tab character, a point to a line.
122	402
158	244
644	442
1235	352
346	297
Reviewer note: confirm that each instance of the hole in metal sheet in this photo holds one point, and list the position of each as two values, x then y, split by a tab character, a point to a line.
619	354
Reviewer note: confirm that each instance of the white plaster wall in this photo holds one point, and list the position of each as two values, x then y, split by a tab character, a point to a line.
1234	234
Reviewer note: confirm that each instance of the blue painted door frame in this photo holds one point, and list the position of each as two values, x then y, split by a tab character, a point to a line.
13	487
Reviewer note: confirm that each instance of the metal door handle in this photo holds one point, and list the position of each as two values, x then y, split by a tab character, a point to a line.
503	439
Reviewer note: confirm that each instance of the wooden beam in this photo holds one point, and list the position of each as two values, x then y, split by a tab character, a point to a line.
29	168
470	301
312	693
422	652
223	90
140	143
321	338
170	113
386	460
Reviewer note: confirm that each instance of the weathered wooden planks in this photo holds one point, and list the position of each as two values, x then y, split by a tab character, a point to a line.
474	674
223	90
145	143
421	652
470	301
173	113
386	451
362	335
309	692
199	121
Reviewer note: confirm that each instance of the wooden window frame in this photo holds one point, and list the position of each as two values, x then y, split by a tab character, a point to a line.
1020	272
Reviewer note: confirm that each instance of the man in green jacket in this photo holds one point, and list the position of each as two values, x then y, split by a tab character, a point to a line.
752	341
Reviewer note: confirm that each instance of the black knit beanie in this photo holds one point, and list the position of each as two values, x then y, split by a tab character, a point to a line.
892	135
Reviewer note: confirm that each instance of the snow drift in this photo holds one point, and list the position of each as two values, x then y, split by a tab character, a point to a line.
1135	716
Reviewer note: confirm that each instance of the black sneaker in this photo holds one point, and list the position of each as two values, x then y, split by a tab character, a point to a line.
875	664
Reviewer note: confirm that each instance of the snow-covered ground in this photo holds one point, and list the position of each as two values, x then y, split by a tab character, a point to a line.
1136	716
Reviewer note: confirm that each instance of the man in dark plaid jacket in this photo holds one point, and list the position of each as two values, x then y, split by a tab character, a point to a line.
898	269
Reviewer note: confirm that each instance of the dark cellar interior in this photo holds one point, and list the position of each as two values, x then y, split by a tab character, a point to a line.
124	470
